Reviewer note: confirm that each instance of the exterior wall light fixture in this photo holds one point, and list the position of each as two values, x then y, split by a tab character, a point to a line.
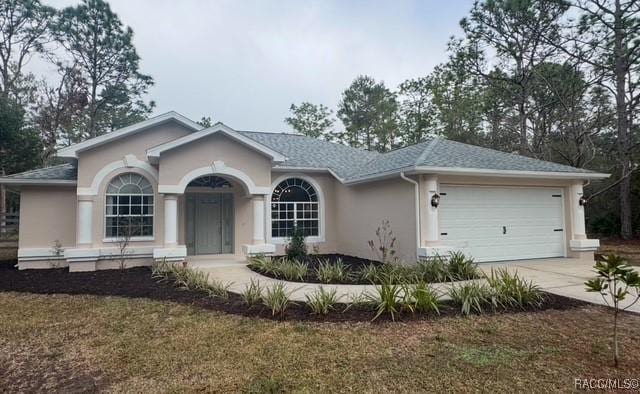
582	201
435	200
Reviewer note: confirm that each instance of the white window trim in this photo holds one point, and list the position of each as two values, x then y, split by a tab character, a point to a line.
321	210
139	238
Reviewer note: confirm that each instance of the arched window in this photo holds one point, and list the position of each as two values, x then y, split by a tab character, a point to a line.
129	207
294	203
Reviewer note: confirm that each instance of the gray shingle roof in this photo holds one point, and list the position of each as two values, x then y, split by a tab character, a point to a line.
351	163
63	172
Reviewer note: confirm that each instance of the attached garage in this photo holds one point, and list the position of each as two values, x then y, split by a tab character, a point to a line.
503	223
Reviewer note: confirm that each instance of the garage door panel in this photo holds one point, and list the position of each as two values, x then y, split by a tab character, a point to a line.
475	219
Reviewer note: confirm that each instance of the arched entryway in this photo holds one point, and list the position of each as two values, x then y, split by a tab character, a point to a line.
210	215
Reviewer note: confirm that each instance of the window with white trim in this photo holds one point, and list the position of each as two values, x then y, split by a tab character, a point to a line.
129	207
294	203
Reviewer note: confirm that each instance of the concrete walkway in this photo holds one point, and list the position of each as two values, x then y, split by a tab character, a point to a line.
240	276
561	276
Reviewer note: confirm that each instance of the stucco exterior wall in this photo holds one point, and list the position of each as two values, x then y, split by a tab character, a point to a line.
93	160
360	210
47	214
178	162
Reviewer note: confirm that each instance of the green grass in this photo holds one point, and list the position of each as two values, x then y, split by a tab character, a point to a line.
62	343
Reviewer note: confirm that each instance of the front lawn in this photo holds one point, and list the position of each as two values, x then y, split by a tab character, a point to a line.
83	343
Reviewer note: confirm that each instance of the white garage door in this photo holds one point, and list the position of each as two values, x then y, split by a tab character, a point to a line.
501	223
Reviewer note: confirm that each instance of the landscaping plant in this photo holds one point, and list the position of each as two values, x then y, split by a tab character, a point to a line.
252	294
472	297
337	271
292	270
615	282
459	267
321	301
296	248
387	298
512	291
384	246
433	270
421	298
263	264
216	288
277	299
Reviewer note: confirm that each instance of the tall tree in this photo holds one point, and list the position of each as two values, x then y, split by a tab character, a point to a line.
514	34
417	118
368	110
608	40
24	30
313	120
103	51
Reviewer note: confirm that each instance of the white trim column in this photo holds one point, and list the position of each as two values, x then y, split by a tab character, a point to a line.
170	220
431	234
259	219
84	221
579	244
259	245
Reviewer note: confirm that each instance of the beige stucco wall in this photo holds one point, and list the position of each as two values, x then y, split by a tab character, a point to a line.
360	210
47	214
178	162
93	160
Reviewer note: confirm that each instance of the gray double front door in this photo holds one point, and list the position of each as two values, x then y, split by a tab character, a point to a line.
209	223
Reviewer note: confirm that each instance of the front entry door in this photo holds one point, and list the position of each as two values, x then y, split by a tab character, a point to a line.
210	223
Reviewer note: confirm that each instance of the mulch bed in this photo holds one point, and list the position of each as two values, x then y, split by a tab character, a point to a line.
137	283
352	263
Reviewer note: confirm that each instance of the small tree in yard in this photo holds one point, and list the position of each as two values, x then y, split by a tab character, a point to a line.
384	247
125	232
296	248
616	280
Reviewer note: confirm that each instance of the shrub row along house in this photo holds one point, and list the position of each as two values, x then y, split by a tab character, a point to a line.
175	190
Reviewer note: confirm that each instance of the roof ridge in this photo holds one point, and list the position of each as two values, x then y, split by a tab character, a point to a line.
434	141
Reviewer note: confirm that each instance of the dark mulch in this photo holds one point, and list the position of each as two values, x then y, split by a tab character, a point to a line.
353	264
137	283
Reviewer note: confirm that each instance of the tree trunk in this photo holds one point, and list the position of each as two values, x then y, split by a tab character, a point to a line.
3	207
624	159
615	337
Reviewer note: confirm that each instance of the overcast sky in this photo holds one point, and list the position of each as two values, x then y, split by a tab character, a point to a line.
244	62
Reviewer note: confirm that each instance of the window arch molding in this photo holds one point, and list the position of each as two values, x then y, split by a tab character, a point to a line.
321	208
129	206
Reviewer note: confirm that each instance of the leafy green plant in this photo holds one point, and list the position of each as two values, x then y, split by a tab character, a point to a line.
292	270
252	293
328	272
387	298
217	288
296	248
460	267
421	298
432	270
189	279
369	273
321	301
615	281
510	290
277	299
472	297
161	270
264	264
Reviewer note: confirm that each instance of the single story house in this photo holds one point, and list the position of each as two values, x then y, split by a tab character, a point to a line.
175	190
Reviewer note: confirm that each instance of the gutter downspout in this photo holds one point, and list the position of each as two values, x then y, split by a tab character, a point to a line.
417	199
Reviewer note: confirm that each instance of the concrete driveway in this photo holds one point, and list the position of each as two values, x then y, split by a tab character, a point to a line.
562	276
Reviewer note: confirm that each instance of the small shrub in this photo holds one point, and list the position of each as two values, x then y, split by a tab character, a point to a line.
460	267
360	300
189	279
296	248
252	293
386	299
263	264
433	270
321	301
472	297
369	273
292	270
161	270
337	271
277	299
421	298
384	248
512	291
219	289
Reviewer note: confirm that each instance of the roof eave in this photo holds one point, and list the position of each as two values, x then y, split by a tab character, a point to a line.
37	182
71	152
153	154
